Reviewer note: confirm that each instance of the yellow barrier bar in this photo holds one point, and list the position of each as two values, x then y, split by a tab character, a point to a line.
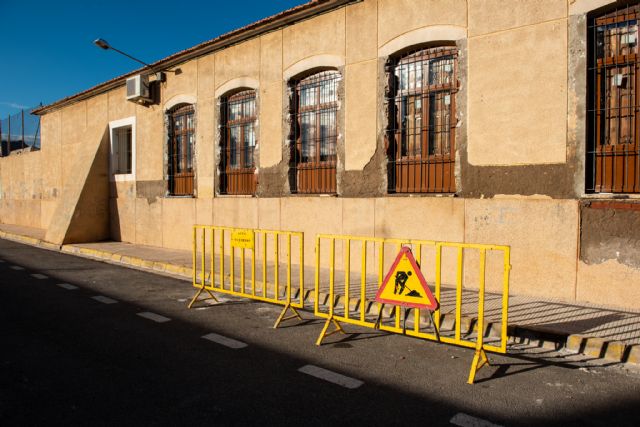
483	261
397	307
246	240
505	299
264	264
437	312
195	254
476	341
332	278
301	267
347	278
316	303
253	270
203	256
213	258
276	238
363	281
381	274
416	311
459	291
242	266
288	268
232	268
222	259
480	358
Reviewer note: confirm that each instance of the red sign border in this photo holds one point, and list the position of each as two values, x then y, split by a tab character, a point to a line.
407	251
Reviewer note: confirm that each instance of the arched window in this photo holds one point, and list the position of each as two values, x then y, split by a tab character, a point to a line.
238	143
181	150
421	121
314	124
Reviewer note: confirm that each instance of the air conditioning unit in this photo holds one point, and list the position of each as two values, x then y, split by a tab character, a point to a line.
138	88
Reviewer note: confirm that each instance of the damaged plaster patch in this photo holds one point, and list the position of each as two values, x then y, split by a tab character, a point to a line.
610	234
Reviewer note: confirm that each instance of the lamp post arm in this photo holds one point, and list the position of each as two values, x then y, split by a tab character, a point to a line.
129	56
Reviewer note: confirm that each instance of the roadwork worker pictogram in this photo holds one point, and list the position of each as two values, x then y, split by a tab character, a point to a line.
401	284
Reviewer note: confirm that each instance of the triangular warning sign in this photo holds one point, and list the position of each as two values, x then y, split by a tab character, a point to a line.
405	285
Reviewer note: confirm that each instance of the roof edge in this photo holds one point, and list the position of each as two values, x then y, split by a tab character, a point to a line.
271	23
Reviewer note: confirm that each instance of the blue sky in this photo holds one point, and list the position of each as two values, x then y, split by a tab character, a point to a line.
47	52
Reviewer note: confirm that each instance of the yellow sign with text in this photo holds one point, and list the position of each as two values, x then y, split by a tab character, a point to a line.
244	239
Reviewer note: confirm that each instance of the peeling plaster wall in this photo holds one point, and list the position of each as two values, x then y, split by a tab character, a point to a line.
520	145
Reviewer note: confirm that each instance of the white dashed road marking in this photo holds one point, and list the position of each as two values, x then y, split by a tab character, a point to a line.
16	267
332	377
104	300
67	286
227	342
39	276
153	316
464	420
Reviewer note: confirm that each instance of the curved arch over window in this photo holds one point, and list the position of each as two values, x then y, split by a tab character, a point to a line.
421	121
237	164
315	132
182	137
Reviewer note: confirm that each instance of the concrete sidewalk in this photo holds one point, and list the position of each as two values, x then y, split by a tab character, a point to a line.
597	331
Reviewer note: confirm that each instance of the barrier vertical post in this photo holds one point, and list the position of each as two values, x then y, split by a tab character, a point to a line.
253	269
480	358
222	259
276	241
194	268
459	291
347	277
363	281
242	266
264	264
437	313
288	305
331	319
505	298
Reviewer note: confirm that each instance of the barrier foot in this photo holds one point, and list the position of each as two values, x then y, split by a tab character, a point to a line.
379	318
324	332
195	297
479	360
435	328
281	318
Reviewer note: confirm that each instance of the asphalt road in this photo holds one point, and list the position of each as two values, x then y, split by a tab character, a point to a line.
68	358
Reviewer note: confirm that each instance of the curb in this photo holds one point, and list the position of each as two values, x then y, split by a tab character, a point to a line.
130	261
597	348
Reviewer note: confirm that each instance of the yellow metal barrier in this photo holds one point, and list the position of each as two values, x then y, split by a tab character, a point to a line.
250	263
349	270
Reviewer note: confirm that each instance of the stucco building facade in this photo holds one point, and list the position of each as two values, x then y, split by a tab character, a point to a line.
452	120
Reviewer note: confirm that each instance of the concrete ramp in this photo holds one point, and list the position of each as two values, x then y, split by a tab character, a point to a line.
82	213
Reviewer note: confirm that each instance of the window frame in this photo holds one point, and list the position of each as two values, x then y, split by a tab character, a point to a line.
318	176
417	173
613	166
184	181
114	126
238	179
